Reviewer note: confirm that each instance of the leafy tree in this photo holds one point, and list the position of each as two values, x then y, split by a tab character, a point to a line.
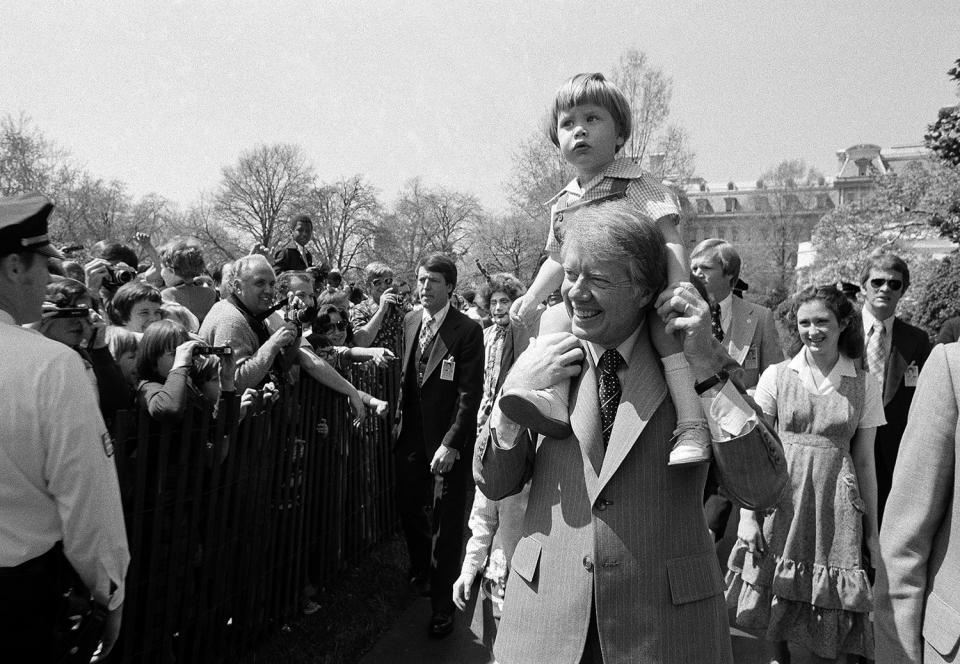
943	136
345	214
938	300
266	186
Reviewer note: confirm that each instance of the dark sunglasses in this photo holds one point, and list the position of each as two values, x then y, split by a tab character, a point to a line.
878	283
339	325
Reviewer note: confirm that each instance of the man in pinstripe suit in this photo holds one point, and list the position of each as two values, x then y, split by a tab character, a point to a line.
616	563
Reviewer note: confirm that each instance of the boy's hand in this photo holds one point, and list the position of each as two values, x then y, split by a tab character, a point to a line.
461	590
523	312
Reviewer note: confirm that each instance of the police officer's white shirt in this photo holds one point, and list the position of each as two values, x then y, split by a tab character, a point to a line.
58	480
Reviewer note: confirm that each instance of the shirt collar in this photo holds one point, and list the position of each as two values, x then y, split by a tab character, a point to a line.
869	318
438	318
726	304
618	168
843	367
625	348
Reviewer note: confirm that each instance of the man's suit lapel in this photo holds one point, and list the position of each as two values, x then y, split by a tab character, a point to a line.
585	422
410	327
438	349
902	346
743	323
643	391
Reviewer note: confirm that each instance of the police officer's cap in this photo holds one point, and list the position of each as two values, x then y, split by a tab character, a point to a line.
23	225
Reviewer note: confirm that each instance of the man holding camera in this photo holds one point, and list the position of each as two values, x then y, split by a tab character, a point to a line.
58	484
263	341
378	320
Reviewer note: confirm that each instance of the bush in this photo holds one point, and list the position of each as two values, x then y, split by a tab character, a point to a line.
940	300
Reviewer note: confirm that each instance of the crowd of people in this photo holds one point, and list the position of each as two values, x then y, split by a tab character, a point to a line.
646	457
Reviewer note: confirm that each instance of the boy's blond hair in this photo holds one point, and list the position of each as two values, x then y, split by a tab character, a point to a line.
591	89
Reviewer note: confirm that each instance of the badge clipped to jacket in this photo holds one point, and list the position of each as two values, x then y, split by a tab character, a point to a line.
447	368
911	375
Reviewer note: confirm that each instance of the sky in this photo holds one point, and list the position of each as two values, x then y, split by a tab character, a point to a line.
163	95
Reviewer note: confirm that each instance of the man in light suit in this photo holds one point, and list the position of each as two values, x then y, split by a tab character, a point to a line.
894	355
748	333
918	590
442	383
615	563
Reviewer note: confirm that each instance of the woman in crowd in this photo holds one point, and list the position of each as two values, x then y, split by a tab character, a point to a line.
495	524
64	321
798	574
135	306
185	260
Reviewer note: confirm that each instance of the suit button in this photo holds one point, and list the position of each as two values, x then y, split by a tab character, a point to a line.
588	563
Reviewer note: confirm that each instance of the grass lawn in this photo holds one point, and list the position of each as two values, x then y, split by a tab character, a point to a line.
356	607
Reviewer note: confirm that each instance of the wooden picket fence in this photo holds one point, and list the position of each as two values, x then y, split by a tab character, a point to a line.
227	523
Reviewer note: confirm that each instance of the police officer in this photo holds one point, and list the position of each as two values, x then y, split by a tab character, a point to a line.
59	496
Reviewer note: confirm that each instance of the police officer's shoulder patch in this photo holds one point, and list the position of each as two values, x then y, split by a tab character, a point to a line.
107	441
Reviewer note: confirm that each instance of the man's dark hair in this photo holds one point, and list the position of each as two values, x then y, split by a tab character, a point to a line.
114	252
301	218
441	264
885	261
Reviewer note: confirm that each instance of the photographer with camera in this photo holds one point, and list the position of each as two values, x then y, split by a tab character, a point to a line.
113	265
61	515
378	319
68	317
262	341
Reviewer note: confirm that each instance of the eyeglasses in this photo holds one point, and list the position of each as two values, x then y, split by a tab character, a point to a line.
894	284
339	325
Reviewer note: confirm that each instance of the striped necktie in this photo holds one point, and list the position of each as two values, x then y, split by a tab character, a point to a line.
610	391
876	353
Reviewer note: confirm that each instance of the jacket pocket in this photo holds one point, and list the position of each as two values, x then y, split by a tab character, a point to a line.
526	558
694	577
941	626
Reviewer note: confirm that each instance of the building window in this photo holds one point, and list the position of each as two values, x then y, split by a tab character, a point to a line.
703	206
733	205
762	203
791	202
863	167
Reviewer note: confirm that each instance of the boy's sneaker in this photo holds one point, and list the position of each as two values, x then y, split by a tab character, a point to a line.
692	444
541	411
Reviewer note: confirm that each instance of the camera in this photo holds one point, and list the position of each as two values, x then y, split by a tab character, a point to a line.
219	351
118	275
69	312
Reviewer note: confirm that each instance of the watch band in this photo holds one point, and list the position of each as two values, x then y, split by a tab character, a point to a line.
701	386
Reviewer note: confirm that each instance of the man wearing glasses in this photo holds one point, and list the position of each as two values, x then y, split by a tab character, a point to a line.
378	320
894	354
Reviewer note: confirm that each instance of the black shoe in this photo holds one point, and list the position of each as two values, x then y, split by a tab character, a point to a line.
441	624
420	585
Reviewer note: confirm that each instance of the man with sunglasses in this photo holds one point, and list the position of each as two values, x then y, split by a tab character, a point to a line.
894	354
378	320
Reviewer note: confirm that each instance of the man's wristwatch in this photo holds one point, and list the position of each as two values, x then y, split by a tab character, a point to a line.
716	380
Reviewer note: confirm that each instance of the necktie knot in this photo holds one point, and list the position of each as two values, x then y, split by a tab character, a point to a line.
879	327
610	361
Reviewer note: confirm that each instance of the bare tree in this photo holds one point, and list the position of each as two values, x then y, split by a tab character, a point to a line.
538	173
649	91
509	243
345	214
28	161
265	187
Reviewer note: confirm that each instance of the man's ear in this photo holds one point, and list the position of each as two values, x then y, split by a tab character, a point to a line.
12	267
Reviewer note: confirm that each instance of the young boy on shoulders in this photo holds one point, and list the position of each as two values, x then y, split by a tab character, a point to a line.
589	123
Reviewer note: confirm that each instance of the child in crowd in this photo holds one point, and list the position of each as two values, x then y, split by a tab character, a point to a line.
590	122
123	346
173	377
135	306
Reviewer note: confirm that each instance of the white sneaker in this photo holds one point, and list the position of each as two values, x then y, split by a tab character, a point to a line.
692	443
541	411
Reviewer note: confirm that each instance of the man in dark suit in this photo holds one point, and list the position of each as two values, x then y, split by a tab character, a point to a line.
748	333
295	256
442	384
895	353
